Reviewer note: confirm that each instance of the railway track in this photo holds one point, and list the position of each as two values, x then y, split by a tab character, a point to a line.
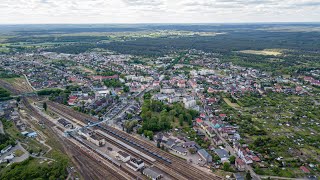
135	154
94	169
178	165
90	167
35	113
9	87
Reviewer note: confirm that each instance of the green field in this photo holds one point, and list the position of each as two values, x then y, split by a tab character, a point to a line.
234	105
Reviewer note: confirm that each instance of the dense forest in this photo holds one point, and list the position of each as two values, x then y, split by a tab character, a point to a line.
226	43
158	117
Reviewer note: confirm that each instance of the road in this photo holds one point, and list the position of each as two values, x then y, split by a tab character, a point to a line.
17	159
277	177
29	82
1	128
231	150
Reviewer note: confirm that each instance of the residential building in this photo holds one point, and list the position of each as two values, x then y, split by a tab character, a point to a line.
223	155
205	155
180	150
240	164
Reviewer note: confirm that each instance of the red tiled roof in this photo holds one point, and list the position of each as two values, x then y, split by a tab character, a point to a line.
304	169
72	97
199	120
240	161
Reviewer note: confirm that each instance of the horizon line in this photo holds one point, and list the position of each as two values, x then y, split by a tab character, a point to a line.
106	23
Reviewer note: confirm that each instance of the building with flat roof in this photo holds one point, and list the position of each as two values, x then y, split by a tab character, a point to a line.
152	173
135	164
65	123
6	149
32	135
123	156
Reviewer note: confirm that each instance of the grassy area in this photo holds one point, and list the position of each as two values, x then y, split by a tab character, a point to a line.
234	105
36	169
19	83
18	153
265	52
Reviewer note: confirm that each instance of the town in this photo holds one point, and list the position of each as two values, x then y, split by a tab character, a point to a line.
186	115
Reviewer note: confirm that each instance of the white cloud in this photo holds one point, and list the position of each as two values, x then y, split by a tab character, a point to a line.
157	11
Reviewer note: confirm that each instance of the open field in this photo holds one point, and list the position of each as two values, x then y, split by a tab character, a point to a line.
234	105
19	83
265	52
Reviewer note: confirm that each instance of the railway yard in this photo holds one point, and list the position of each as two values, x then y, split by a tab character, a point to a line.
90	165
173	167
94	162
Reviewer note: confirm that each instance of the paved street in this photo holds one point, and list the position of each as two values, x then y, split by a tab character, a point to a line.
1	128
17	159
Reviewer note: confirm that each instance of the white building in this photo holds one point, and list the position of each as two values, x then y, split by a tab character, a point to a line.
123	156
189	102
6	149
167	90
135	164
9	157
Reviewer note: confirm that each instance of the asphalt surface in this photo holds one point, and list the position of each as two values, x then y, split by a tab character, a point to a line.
1	128
16	159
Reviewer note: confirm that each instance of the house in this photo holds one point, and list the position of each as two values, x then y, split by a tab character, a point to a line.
135	164
123	156
72	100
210	131
240	164
189	144
199	121
304	169
205	155
193	84
223	155
217	141
170	143
181	84
247	160
65	123
152	173
6	149
180	150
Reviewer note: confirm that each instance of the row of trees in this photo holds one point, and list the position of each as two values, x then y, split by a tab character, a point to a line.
59	95
112	83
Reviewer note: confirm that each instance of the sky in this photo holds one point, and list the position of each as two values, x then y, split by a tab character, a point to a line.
157	11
